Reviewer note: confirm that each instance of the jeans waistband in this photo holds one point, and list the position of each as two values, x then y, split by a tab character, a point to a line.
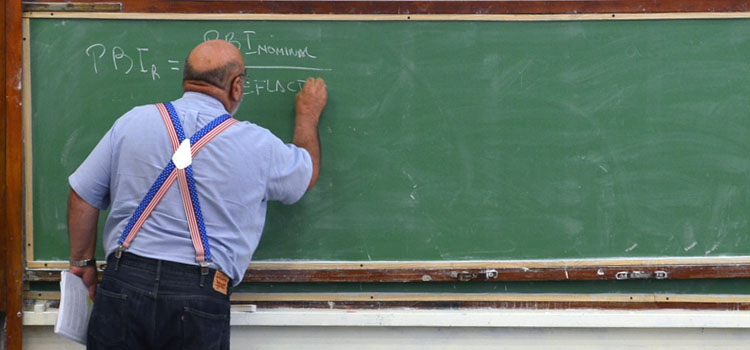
162	269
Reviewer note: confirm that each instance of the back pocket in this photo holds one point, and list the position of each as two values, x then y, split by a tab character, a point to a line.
107	325
202	330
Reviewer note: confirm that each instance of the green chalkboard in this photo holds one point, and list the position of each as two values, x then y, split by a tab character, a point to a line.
444	140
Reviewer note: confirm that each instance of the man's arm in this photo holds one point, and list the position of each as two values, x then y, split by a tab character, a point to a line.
82	220
309	104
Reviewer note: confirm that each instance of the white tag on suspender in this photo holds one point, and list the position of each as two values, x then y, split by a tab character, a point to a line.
183	157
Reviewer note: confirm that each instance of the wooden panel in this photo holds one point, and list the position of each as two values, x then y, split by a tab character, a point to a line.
472	300
425	7
490	273
3	232
13	173
497	301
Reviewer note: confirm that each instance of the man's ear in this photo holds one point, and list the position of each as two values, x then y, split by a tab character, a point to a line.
235	93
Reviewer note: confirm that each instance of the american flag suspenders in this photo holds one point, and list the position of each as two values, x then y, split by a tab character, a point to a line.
179	168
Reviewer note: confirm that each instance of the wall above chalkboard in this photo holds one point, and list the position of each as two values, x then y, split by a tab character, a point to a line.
443	140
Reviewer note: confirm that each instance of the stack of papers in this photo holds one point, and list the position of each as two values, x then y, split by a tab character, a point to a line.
75	308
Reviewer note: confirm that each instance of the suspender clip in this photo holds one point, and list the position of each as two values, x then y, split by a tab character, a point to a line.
118	252
204	268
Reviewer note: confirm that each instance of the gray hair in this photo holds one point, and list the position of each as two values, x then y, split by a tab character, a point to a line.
220	77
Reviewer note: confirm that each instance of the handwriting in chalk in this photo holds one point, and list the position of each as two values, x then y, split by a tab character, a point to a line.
90	52
121	60
140	61
256	87
260	48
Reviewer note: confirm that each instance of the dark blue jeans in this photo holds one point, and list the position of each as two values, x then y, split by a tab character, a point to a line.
144	303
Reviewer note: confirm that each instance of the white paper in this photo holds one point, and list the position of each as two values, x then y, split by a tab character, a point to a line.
75	308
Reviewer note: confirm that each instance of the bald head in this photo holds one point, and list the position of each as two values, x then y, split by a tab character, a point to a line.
216	68
215	62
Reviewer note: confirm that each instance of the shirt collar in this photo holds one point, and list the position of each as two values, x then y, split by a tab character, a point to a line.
202	102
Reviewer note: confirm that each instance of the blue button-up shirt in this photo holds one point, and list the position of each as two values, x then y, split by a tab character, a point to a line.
235	174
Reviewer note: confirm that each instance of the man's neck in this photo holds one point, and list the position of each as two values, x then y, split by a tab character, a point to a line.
210	90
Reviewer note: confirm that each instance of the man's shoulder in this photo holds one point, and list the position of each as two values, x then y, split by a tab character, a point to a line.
249	126
138	112
249	138
260	133
138	117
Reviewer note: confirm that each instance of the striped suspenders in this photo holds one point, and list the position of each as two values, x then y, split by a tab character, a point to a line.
179	169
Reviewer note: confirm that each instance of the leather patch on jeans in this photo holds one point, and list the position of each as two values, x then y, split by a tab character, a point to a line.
220	282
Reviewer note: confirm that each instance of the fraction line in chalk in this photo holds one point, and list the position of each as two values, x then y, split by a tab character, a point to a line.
289	67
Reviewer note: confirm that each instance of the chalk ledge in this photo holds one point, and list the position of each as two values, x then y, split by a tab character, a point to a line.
493	318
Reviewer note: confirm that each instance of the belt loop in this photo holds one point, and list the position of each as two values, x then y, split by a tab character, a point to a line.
204	271
158	269
118	255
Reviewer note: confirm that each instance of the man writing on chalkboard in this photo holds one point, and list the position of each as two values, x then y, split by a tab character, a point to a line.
187	187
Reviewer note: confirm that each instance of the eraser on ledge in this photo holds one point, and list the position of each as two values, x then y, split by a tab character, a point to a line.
245	308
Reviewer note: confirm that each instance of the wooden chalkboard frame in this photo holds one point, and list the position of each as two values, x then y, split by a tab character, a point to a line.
397	6
390	17
11	218
410	271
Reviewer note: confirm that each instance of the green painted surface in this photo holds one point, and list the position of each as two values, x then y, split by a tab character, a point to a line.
445	140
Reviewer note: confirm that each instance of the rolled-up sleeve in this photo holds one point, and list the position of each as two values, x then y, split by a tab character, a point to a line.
290	172
92	178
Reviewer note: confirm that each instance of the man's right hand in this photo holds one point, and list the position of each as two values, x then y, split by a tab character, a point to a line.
89	277
311	101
